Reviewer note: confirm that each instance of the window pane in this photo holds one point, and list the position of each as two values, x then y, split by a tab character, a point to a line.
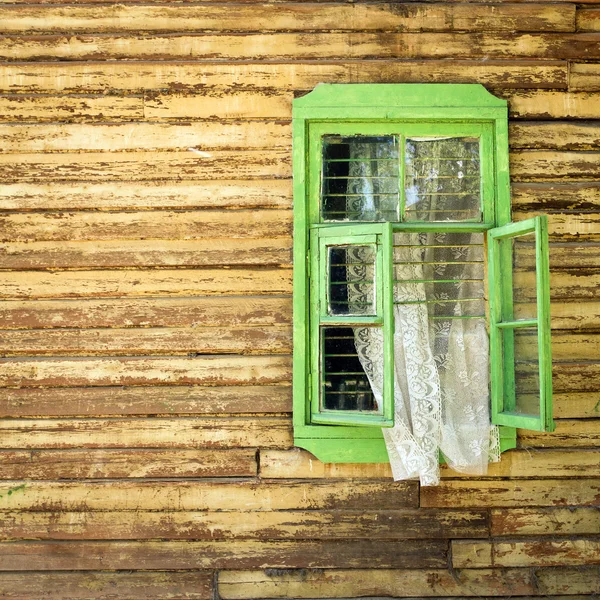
524	288
351	280
344	384
442	179
522	345
360	178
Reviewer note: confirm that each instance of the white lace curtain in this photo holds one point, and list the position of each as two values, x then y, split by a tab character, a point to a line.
441	381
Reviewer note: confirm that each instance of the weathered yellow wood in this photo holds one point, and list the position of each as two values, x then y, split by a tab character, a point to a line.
205	495
182	432
89	77
533	553
126	463
556	196
584	77
142	342
231	370
576	405
166	225
556	135
144	400
194	585
281	525
545	521
588	19
576	377
153	312
187	194
565	346
238	585
70	108
552	104
205	135
568	434
218	103
139	166
304	46
460	493
292	16
167	282
547	164
565	580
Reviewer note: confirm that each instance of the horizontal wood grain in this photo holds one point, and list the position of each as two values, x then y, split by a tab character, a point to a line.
144	400
568	434
70	108
565	580
240	554
545	521
205	370
576	405
584	77
155	312
90	77
301	45
460	493
552	104
181	432
547	164
281	525
140	166
194	585
126	463
588	19
148	282
561	135
205	495
292	16
556	196
187	194
238	585
534	553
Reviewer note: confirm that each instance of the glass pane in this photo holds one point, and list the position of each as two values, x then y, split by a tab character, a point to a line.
360	178
443	271
351	280
524	290
442	179
344	384
521	351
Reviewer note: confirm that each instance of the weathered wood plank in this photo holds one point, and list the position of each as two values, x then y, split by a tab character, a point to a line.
144	225
216	102
561	135
141	136
231	370
576	405
301	46
154	312
240	585
266	193
588	19
237	554
548	164
127	463
206	495
191	585
551	104
559	553
576	377
163	253
283	525
556	196
167	282
584	77
144	400
292	16
70	108
574	580
147	341
517	493
545	521
568	434
281	464
140	166
172	432
90	77
566	346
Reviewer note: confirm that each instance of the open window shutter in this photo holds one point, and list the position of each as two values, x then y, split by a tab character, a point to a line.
352	298
521	362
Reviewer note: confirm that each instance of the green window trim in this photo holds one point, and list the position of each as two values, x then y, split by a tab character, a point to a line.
406	110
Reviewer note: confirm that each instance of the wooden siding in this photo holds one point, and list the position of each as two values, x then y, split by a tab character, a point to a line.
145	305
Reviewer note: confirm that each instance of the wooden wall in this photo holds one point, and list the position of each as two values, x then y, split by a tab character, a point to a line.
145	228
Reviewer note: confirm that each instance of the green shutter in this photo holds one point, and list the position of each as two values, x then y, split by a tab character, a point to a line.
336	317
520	352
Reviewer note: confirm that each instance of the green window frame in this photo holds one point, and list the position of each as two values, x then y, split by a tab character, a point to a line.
409	110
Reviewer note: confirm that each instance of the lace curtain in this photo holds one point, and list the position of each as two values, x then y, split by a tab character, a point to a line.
441	373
